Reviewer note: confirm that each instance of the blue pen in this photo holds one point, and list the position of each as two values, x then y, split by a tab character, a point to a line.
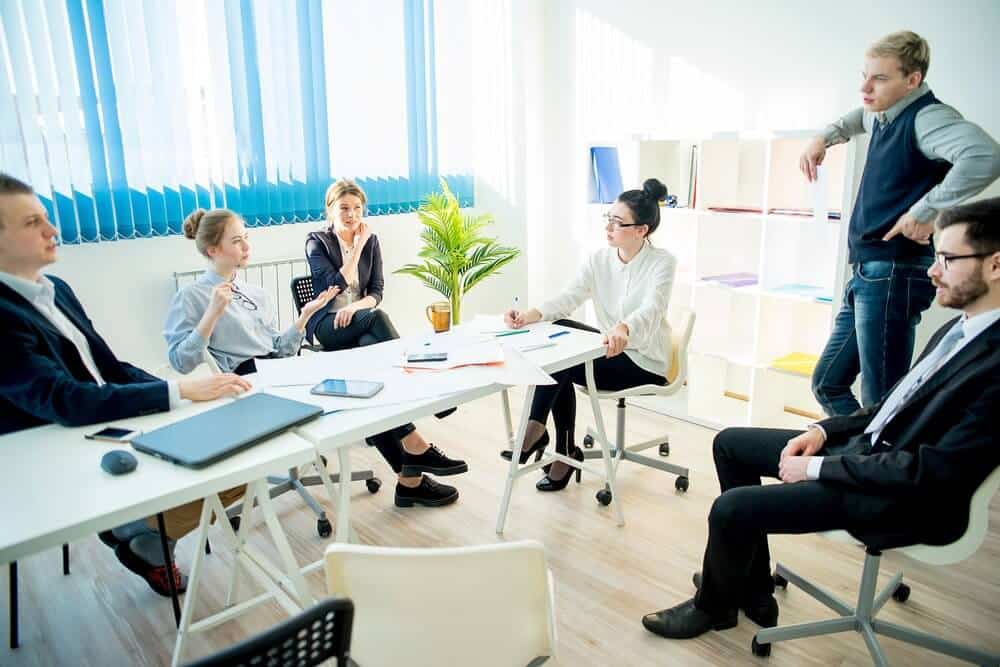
558	333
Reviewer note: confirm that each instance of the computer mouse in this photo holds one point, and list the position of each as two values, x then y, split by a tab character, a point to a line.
118	462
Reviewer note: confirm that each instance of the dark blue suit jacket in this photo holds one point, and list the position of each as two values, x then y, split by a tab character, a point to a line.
325	262
43	379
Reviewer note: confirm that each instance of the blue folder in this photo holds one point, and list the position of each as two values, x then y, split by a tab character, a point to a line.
213	435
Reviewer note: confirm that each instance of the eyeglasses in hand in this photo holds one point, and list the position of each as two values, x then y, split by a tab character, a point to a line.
244	300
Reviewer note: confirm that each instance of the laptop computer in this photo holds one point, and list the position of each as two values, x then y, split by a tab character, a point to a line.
213	435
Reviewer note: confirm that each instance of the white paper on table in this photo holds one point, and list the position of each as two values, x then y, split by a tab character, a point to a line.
400	387
475	354
486	324
538	336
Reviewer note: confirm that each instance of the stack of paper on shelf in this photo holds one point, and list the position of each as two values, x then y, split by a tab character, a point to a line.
733	279
803	290
799	363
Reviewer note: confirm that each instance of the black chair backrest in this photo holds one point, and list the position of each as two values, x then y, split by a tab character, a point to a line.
302	291
317	634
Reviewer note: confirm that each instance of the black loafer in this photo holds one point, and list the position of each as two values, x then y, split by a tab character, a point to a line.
428	494
434	462
686	621
763	612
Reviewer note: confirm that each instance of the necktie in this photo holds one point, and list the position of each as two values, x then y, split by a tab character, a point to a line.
913	380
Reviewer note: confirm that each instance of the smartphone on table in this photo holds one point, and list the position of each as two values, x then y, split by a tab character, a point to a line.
114	434
347	388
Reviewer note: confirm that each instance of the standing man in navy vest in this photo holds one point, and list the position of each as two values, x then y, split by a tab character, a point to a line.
922	157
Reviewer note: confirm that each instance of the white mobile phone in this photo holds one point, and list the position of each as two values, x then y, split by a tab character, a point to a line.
114	434
348	388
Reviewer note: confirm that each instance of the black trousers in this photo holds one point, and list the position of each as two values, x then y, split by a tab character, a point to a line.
368	327
737	565
559	399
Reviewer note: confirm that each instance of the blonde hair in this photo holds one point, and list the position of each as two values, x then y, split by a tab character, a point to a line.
912	51
338	189
207	227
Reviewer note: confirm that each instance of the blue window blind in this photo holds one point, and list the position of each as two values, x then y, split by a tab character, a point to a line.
125	115
605	175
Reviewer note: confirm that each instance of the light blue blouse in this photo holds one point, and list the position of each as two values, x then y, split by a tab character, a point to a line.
241	333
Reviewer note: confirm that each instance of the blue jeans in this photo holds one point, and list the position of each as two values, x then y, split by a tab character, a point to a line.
873	333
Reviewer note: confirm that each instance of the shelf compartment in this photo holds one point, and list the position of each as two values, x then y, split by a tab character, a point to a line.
718	390
783	400
791	326
788	188
731	173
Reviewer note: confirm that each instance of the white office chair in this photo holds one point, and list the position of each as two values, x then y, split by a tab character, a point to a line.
294	481
482	605
862	618
681	326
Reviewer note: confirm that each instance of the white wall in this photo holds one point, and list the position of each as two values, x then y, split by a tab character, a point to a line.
674	69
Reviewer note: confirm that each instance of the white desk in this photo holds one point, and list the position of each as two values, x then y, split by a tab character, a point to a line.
59	493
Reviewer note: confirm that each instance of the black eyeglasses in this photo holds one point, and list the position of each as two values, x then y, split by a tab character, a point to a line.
244	300
619	223
945	260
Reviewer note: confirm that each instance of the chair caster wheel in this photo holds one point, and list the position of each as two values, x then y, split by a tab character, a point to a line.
588	441
373	484
760	650
604	497
664	449
681	484
324	528
902	593
780	581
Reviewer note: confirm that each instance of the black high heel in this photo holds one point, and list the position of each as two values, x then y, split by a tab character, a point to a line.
537	448
547	483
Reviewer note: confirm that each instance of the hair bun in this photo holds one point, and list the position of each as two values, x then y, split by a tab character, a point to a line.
654	189
192	222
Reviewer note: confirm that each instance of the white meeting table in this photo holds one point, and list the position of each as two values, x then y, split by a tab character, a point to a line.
56	491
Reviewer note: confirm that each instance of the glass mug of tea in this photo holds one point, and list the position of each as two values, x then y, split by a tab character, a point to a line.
439	315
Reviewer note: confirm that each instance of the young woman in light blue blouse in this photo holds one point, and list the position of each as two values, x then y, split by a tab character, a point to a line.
236	323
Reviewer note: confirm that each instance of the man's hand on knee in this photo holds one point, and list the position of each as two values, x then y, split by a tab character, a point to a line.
806	443
794	469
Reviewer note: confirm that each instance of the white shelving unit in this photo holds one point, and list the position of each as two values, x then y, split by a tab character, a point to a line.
755	215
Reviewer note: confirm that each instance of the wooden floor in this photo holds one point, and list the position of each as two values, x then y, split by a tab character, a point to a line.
606	577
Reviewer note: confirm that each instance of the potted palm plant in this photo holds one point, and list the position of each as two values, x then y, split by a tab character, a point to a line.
456	254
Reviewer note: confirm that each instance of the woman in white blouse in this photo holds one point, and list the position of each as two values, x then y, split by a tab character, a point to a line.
629	283
235	322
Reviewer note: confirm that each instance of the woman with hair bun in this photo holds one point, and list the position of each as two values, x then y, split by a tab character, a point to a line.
236	322
629	283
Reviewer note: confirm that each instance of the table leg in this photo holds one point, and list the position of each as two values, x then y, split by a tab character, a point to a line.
515	447
14	643
168	561
189	599
344	504
292	570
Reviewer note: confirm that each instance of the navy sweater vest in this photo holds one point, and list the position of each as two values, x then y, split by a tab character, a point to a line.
897	174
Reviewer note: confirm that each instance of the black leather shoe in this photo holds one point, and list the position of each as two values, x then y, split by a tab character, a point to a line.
686	621
432	461
763	612
428	494
537	448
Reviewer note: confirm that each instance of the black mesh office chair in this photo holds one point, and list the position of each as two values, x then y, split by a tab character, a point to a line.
303	293
317	634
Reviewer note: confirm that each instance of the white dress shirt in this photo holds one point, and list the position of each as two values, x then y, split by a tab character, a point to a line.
971	326
635	293
42	295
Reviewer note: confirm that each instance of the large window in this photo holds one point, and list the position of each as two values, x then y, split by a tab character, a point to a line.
127	115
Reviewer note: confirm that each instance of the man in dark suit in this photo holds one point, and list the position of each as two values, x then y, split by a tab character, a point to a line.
896	473
57	368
